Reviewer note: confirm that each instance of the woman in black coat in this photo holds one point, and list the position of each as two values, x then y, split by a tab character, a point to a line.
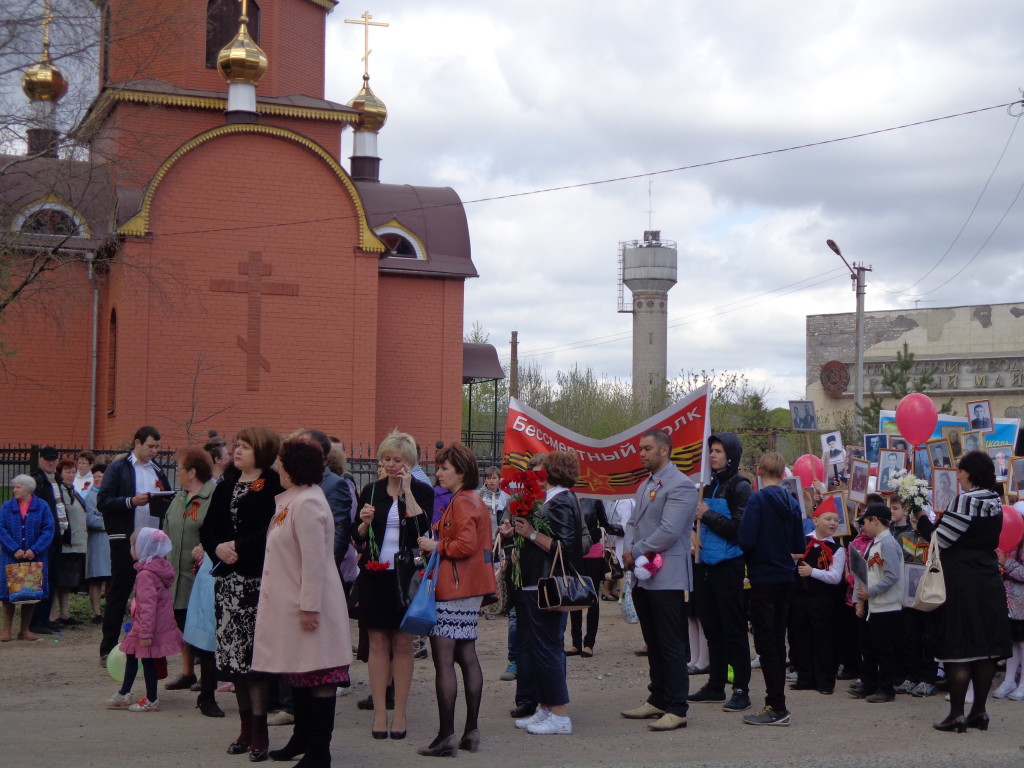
234	537
393	513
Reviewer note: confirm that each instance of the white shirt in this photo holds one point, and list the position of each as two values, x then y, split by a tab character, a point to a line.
145	482
83	483
392	529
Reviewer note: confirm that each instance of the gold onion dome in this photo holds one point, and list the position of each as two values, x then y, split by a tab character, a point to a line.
44	81
375	114
241	60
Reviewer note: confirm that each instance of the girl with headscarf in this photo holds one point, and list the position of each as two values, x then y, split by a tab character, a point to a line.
154	634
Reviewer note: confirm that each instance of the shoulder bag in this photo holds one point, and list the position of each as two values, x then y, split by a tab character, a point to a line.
931	589
25	581
563	590
421	615
503	595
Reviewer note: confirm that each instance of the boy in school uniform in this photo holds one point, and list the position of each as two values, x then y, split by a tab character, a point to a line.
816	593
881	600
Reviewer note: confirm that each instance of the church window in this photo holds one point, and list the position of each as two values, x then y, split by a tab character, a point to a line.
398	246
49	219
222	25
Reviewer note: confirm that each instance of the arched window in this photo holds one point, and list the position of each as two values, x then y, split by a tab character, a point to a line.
50	219
398	246
401	243
112	363
222	25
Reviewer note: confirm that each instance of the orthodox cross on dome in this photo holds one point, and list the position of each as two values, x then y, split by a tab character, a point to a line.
366	24
256	287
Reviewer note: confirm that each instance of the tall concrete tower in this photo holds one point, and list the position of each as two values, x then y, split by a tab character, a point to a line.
648	268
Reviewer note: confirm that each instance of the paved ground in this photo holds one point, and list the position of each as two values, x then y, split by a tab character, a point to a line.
52	715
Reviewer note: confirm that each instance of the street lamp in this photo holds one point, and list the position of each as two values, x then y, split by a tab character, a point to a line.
857	276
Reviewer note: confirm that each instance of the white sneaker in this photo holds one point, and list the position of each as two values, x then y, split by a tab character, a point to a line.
145	705
1004	690
119	701
1018	694
537	717
553	725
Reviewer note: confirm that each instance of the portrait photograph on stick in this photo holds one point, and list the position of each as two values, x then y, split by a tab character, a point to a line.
945	487
889	463
1001	455
874	443
939	452
803	416
832	448
979	414
973	441
860	470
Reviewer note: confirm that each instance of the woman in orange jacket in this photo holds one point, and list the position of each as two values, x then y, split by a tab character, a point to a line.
465	574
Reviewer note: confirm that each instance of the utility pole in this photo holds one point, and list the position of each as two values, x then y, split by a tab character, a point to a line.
513	367
859	282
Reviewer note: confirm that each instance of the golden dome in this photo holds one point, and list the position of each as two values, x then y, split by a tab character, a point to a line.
44	82
241	60
375	114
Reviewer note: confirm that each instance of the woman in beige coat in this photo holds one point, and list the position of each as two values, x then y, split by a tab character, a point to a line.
302	620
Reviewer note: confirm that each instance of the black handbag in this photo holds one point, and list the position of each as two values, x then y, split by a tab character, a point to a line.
567	591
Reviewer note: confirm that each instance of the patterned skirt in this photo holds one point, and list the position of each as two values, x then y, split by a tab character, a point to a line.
457	619
329	676
237	598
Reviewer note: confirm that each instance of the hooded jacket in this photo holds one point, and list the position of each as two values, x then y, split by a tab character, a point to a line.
770	533
720	529
153	612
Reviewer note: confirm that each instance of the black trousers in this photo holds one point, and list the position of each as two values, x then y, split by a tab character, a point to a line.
122	582
812	637
594	568
662	615
720	608
917	660
769	614
884	633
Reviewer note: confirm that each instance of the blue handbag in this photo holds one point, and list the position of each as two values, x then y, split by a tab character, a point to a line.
421	615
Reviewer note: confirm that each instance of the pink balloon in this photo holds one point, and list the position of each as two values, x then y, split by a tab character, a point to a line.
1013	529
808	468
916	418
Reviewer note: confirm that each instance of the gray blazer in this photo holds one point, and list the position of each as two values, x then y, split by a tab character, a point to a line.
663	524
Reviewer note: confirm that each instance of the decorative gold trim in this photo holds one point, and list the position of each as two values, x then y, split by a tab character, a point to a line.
138	225
328	4
220	104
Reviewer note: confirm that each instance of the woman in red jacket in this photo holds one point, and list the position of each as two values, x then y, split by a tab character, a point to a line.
465	575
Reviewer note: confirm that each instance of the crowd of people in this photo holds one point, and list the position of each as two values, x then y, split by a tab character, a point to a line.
253	567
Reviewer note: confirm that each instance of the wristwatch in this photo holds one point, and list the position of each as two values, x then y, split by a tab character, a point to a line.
533	536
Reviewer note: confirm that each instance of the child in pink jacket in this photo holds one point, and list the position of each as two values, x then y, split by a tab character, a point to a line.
154	634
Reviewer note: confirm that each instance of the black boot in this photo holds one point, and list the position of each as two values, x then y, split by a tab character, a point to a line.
300	730
318	744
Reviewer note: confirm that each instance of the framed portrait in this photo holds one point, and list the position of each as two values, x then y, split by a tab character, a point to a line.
952	433
803	416
832	448
939	453
945	487
840	500
899	443
873	444
912	573
1001	455
860	471
979	415
889	463
922	464
1015	480
794	487
973	441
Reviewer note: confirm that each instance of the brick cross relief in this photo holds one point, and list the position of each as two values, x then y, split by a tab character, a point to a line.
256	287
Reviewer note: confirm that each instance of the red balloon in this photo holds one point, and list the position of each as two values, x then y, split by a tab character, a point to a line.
916	418
809	468
1013	529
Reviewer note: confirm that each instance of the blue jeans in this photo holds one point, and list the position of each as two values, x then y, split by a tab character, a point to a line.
513	635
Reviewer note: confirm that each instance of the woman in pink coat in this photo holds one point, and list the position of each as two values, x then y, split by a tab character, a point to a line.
302	620
154	633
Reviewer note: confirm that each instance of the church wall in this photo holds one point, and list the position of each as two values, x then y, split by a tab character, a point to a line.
220	202
44	384
299	26
419	348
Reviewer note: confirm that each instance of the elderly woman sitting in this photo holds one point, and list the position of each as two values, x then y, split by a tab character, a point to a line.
26	531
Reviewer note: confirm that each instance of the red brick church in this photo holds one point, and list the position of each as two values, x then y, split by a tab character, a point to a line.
222	265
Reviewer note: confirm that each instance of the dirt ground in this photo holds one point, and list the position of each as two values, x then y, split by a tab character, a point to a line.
52	714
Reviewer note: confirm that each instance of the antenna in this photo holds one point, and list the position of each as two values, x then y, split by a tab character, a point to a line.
650	203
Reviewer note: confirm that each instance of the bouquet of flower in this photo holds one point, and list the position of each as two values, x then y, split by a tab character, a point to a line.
911	490
526	489
373	562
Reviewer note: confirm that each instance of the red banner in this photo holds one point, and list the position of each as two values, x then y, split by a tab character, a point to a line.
611	468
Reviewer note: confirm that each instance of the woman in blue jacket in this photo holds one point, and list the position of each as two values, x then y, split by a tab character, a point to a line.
26	531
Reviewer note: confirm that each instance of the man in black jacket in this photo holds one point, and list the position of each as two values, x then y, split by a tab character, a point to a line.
718	577
46	477
123	501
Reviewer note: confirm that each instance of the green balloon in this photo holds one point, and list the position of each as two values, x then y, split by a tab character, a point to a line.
116	660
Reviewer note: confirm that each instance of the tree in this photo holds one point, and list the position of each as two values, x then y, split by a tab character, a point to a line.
899	379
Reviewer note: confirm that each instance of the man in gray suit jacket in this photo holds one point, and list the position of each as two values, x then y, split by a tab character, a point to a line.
661	523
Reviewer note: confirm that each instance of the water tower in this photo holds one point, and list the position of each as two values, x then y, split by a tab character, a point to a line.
648	268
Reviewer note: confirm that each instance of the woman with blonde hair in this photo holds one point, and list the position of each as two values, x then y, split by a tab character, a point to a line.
393	514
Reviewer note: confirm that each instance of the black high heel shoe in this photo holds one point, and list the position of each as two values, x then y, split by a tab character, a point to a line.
979	721
446	747
470	741
958	724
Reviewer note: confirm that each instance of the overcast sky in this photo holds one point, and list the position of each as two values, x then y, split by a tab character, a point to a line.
497	98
